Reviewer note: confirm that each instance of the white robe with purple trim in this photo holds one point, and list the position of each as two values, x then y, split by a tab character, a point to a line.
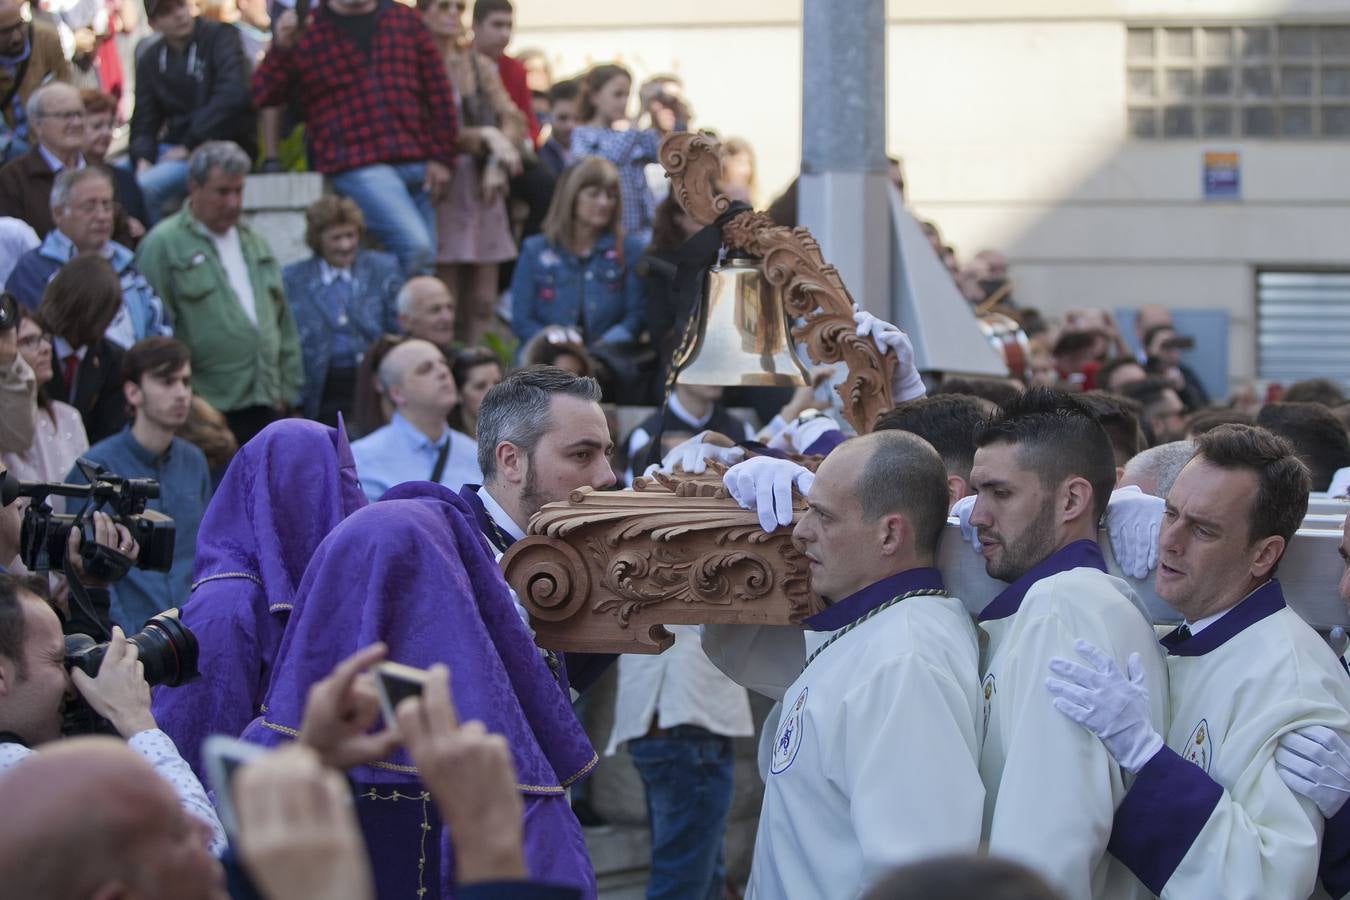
1234	830
1051	788
874	762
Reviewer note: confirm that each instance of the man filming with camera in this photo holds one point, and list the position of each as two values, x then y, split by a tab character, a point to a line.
35	691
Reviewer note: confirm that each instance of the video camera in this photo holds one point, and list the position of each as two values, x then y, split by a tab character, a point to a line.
166	648
45	534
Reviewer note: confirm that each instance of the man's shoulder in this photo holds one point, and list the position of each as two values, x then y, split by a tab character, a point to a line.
112	449
1086	600
191	454
31	163
375	441
46	34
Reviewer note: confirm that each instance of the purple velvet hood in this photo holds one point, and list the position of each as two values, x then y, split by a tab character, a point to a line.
282	494
416	574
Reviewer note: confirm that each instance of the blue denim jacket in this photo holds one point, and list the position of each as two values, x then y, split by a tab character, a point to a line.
377	279
551	285
142	314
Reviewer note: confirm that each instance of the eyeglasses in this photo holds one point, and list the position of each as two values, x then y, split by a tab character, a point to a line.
70	115
89	207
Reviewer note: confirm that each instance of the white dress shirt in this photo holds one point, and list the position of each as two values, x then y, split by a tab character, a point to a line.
678	687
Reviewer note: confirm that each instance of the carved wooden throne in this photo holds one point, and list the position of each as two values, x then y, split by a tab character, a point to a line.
605	570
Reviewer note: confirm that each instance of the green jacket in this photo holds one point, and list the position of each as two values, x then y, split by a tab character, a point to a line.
235	364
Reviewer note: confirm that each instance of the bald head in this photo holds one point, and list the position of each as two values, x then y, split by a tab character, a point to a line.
902	473
1150	315
416	378
88	814
426	310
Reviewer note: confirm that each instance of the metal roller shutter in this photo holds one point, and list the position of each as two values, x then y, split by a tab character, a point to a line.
1303	326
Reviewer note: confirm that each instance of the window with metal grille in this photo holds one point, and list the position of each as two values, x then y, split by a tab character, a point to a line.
1303	325
1238	81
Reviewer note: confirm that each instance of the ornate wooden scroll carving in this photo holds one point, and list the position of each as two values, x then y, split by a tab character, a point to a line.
606	570
813	292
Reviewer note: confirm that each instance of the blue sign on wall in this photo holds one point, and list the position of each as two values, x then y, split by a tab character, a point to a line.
1222	175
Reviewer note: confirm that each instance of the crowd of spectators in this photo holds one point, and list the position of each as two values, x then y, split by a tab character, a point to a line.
481	216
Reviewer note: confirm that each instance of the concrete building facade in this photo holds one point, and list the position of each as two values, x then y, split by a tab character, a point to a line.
1079	136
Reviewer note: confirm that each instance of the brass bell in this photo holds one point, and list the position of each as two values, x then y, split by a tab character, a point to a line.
742	336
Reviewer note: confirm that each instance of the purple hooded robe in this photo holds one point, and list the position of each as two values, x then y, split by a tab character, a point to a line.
282	494
416	574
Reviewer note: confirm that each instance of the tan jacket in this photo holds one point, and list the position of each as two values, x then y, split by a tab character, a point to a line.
46	63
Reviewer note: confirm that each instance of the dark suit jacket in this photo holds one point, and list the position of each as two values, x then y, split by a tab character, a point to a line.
98	390
26	193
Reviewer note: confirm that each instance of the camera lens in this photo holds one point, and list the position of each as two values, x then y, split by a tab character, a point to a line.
168	651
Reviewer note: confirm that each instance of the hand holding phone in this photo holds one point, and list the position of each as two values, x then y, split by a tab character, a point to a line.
470	776
394	683
341	711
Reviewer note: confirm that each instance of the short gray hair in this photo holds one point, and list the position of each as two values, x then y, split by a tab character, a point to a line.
517	410
225	156
904	475
66	180
403	301
33	105
1162	463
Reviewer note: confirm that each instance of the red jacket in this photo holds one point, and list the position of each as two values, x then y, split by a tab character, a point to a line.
513	78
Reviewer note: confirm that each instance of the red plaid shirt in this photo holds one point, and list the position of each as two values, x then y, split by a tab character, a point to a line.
391	106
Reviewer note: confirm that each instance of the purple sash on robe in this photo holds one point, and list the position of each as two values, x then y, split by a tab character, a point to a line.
416	574
282	494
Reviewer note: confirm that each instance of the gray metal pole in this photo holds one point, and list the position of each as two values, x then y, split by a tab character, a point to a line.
842	196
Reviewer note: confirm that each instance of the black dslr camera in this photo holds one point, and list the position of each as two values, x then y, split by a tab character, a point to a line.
166	648
44	535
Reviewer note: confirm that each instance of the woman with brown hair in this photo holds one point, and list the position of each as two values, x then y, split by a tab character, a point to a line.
473	234
476	372
77	307
578	274
58	438
342	298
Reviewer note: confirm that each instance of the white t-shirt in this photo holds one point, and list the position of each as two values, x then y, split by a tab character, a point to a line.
231	253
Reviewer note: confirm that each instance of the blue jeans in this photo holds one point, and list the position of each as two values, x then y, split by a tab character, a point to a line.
687	774
397	209
161	183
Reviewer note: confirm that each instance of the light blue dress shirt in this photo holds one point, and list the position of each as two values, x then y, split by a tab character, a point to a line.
398	452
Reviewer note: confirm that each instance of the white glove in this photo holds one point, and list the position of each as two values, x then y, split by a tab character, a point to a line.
962	510
908	385
692	456
1101	699
1133	519
798	435
1315	762
765	484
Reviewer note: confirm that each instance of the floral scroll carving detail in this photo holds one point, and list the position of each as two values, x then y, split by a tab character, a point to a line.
813	293
638	559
